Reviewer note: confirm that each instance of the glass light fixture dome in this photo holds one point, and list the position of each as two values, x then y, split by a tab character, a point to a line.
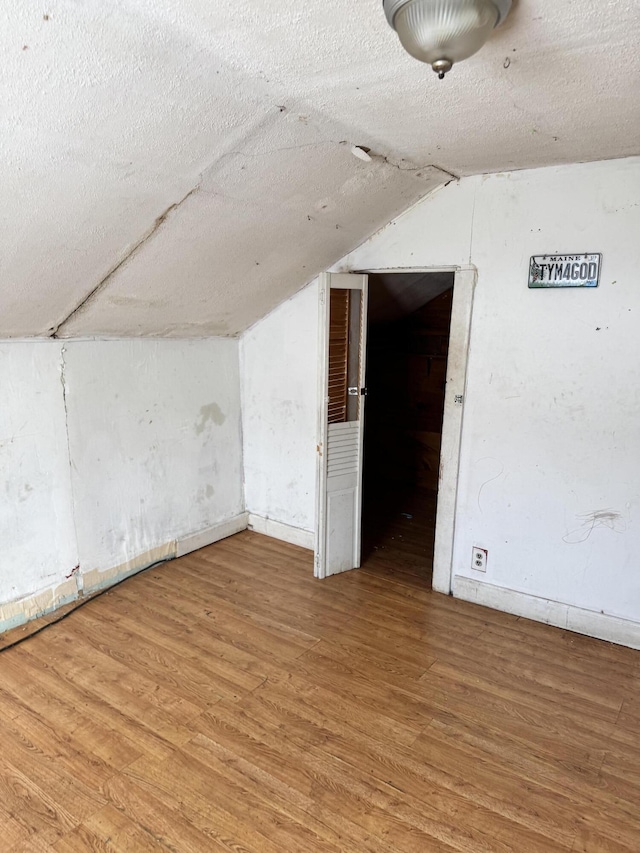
442	32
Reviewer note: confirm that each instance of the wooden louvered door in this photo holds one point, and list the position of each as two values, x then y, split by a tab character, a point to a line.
343	323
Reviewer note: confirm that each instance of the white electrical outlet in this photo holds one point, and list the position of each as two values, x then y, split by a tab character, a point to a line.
479	557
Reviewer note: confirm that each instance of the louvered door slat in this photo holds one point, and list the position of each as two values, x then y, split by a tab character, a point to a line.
338	354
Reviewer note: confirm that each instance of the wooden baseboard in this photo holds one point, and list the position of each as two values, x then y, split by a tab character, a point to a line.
278	530
613	629
219	531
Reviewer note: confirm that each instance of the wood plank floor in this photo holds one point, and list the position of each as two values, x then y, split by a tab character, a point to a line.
226	701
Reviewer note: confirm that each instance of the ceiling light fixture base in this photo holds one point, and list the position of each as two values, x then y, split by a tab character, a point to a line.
441	67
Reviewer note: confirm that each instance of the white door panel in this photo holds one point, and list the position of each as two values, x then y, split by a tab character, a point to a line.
341	422
341	511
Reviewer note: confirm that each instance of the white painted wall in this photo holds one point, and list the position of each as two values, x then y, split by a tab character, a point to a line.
279	358
113	454
155	438
36	519
550	456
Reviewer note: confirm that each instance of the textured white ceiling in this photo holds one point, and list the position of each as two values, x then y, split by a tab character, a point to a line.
178	167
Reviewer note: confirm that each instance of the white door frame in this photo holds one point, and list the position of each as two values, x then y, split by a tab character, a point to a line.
463	291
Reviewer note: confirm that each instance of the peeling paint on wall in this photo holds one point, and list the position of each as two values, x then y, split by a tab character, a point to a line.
14	613
99	579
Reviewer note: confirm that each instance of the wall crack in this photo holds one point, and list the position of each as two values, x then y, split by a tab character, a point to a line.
344	142
410	169
103	283
75	572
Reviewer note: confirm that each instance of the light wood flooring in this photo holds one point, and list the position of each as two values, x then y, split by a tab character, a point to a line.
226	701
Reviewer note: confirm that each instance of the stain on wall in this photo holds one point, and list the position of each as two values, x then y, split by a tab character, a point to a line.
211	413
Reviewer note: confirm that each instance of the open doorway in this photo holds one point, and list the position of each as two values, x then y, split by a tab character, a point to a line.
408	334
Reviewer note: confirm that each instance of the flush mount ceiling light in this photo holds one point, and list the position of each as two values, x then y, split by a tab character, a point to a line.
441	32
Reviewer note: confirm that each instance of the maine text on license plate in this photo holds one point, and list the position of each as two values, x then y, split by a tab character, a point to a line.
564	270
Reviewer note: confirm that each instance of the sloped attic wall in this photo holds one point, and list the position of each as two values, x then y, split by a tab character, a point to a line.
551	445
253	226
179	167
160	183
114	454
103	241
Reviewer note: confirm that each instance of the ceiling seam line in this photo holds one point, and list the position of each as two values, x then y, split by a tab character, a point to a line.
160	220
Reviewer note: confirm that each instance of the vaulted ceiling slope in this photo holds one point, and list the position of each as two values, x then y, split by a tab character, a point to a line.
178	167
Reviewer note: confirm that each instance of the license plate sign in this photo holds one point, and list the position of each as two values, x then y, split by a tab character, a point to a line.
564	270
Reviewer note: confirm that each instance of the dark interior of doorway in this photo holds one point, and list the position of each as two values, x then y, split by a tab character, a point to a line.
407	349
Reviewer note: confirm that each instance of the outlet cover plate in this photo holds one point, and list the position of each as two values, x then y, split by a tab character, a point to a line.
479	557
